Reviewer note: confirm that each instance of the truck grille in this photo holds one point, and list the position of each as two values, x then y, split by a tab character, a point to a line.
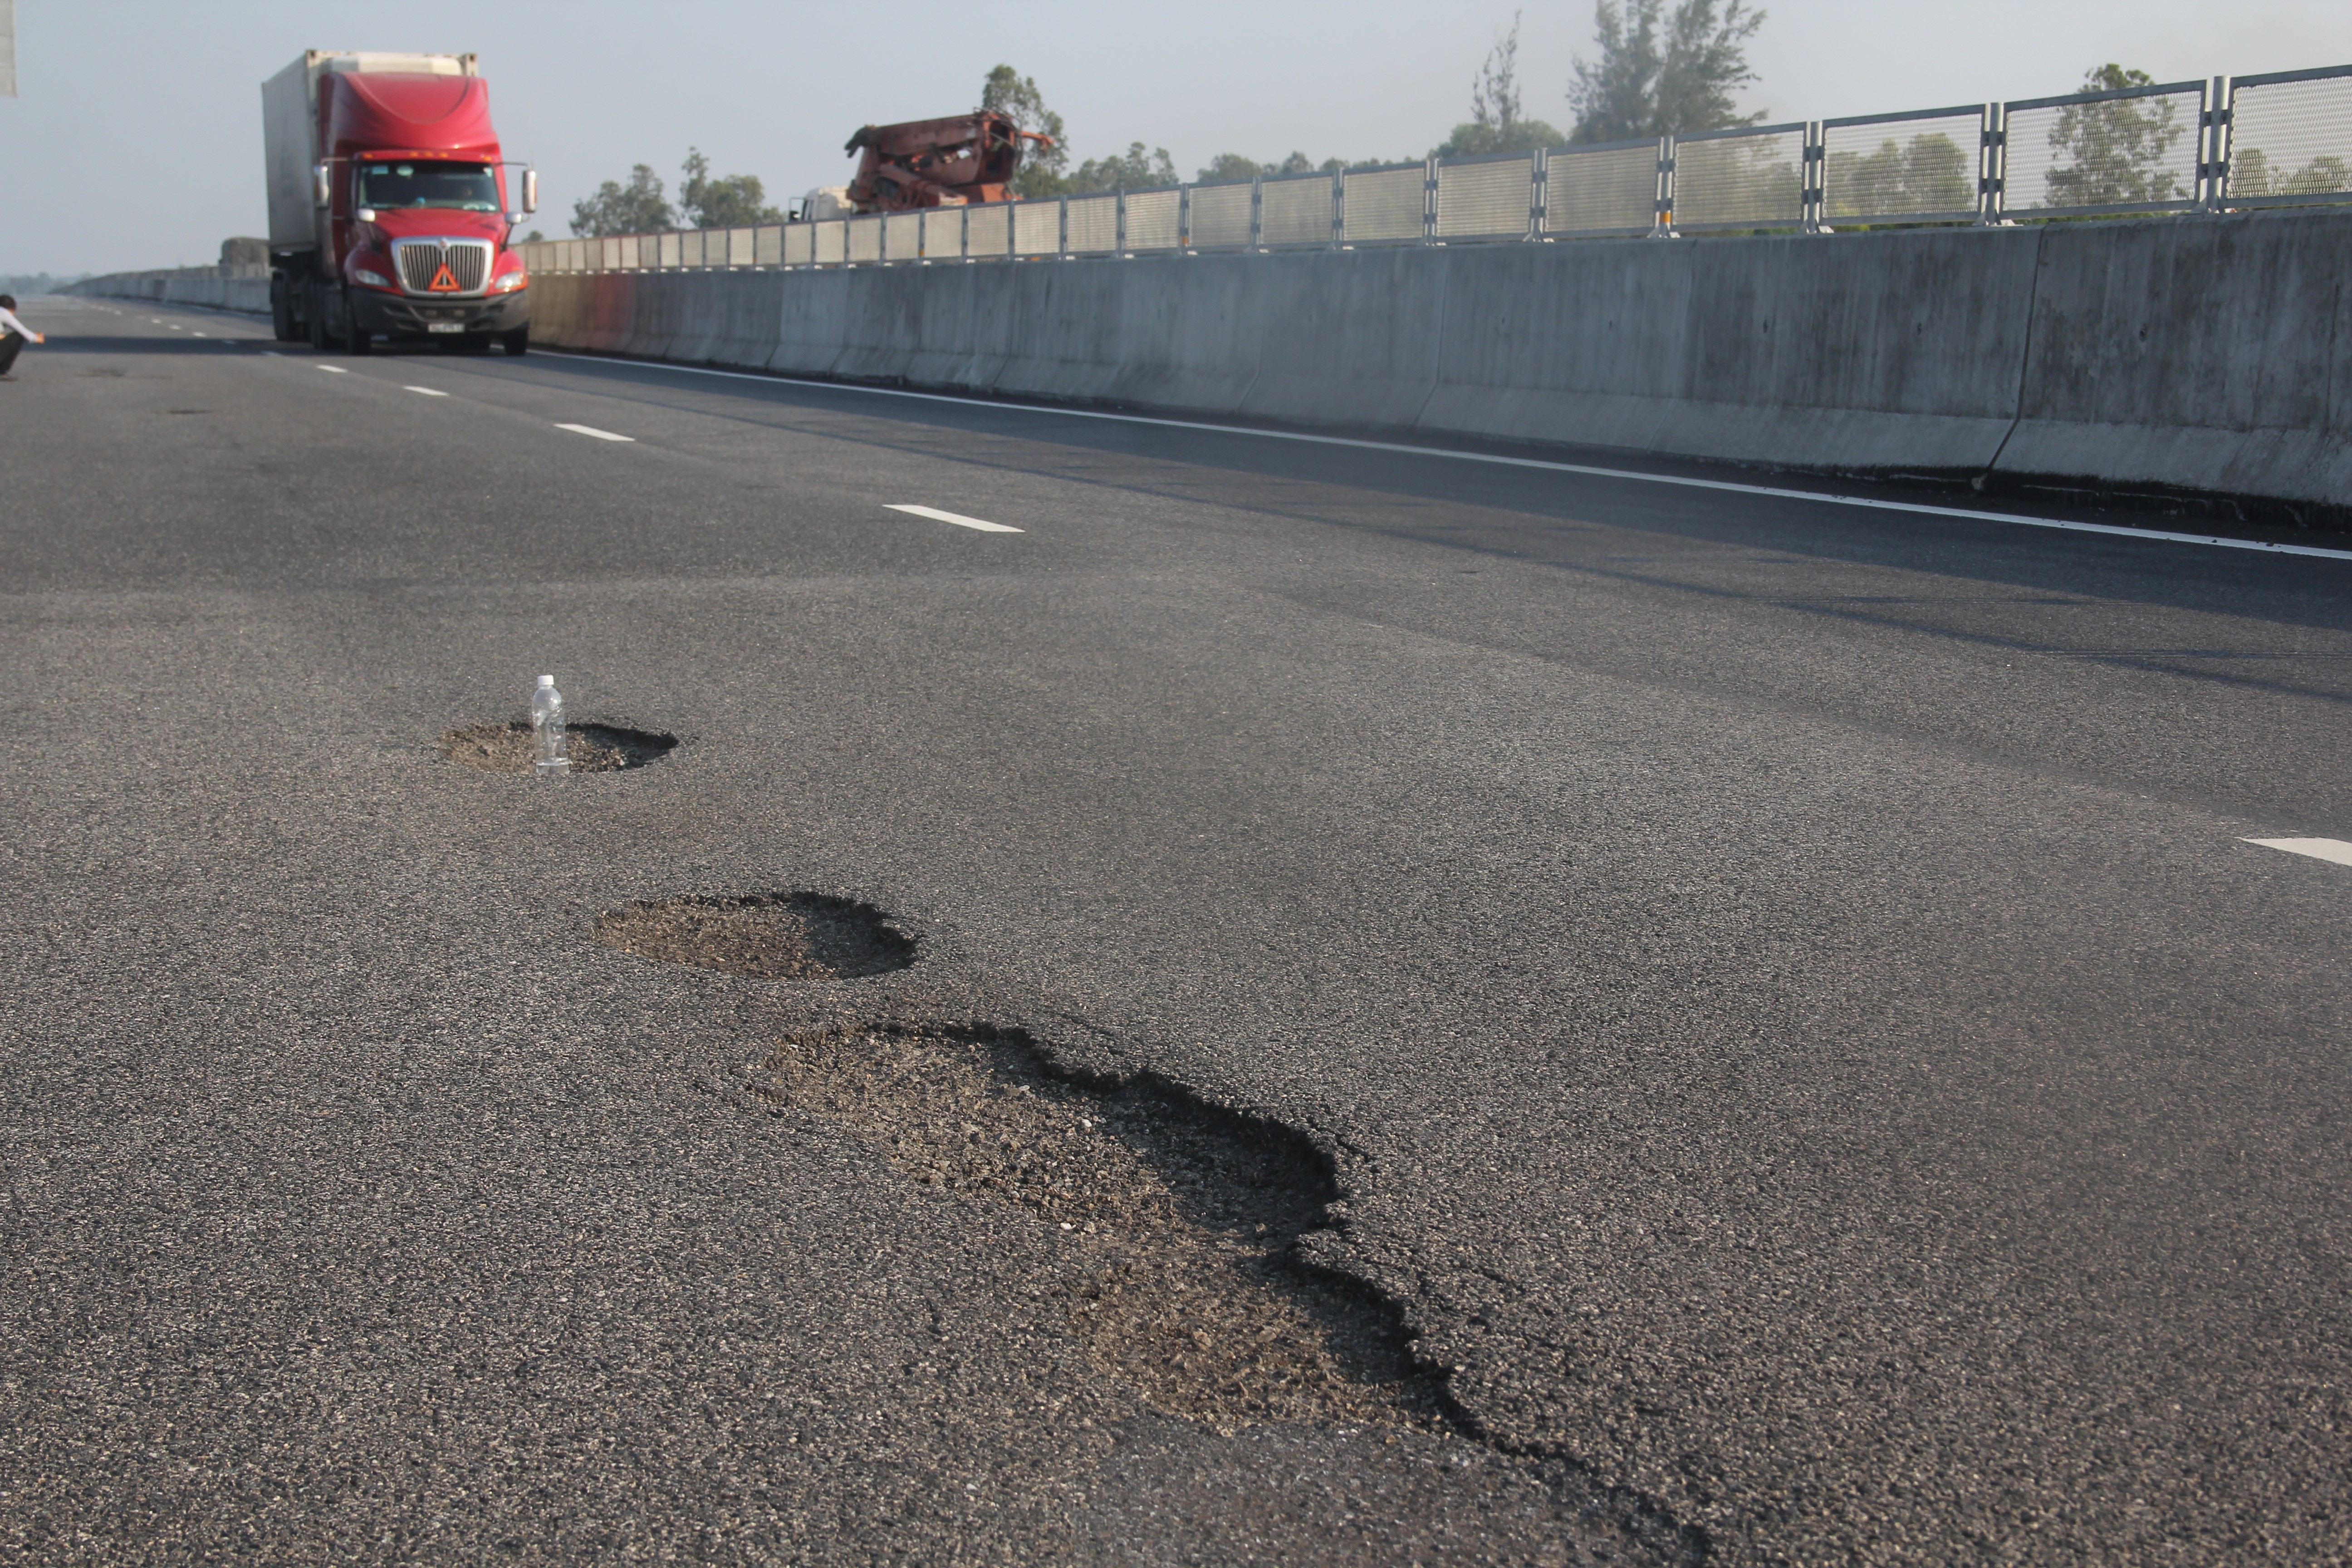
421	264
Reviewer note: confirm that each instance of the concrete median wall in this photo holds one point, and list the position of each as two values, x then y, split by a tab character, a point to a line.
2205	354
185	286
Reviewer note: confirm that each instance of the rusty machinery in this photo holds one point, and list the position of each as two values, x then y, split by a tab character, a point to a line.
938	163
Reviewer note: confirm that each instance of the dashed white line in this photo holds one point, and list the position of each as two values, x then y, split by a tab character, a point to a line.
423	392
592	430
2333	849
935	515
1828	498
331	369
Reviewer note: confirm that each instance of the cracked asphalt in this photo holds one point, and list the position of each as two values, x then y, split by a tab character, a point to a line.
1800	1033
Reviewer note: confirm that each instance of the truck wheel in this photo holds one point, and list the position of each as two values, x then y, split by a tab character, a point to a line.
314	312
355	342
517	341
281	308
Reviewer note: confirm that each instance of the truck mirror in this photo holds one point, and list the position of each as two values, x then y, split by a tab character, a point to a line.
323	186
529	192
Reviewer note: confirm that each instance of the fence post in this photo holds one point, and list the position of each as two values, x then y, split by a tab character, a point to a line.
1257	215
1992	163
1183	220
1429	201
1338	209
1062	245
1663	225
1539	193
2220	118
1118	227
1813	198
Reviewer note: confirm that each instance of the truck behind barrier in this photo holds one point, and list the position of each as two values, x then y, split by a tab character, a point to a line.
390	204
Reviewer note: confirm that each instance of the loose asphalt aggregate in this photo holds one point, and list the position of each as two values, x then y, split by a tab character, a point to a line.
1802	1045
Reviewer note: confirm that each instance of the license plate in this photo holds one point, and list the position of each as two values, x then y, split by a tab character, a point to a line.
444	326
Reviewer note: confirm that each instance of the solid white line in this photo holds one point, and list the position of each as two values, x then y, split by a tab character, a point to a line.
2333	849
331	369
423	392
935	515
1965	513
592	430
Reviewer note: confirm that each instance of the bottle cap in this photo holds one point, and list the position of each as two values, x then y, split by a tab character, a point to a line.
547	680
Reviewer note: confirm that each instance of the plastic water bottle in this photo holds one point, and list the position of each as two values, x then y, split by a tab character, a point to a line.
550	753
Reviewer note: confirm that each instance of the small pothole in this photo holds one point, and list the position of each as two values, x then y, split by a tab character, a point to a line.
792	936
1189	1290
594	748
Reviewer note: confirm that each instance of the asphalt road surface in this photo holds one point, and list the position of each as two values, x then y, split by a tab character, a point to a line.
1801	1034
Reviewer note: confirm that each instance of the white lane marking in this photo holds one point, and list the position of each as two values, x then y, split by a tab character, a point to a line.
1826	497
957	518
592	430
423	392
195	334
333	369
2333	849
271	353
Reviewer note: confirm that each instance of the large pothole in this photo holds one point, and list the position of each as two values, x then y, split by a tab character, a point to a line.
790	936
1187	1215
594	748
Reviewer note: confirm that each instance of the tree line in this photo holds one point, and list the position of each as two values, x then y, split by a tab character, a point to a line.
1658	68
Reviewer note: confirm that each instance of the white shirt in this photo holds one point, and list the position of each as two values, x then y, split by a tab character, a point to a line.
9	324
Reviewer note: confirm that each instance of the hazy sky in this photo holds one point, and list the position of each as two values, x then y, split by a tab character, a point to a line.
137	139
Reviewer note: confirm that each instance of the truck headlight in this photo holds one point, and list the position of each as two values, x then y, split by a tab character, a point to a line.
508	282
370	277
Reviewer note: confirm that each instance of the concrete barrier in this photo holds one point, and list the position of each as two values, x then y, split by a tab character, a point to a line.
239	288
2198	354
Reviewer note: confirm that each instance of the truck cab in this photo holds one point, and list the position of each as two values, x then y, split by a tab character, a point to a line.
392	207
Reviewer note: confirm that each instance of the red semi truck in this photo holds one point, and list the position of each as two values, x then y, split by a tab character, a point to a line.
391	207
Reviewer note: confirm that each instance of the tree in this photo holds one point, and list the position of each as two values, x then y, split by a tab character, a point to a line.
1933	175
1646	84
1136	170
1008	92
2118	148
1496	124
731	201
637	207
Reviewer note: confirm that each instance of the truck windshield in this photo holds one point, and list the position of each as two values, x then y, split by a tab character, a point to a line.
470	187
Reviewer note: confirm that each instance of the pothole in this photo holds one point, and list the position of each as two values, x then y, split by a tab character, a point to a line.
595	748
794	936
1189	1291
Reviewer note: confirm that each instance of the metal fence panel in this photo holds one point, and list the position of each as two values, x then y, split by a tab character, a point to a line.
988	230
799	244
1152	217
2130	151
865	239
1094	224
667	256
767	246
943	232
1919	167
831	242
738	247
1607	189
1740	179
1295	211
610	256
2290	137
1486	196
1383	205
902	237
1037	228
1221	218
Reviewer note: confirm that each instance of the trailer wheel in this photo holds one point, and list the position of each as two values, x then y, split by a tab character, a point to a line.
516	341
281	308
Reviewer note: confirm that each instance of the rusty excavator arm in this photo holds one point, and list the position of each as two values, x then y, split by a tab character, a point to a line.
938	163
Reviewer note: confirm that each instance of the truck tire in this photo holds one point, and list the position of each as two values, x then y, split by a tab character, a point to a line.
355	342
281	307
517	341
314	312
